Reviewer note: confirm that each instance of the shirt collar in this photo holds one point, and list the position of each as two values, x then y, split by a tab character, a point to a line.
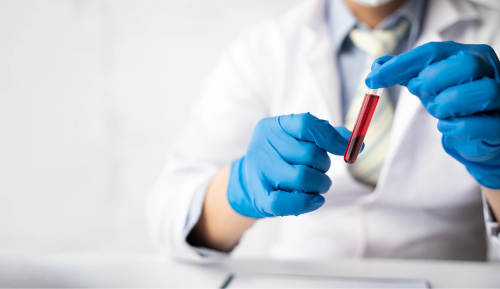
342	20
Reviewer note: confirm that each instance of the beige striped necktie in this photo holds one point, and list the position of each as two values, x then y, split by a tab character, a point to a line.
374	43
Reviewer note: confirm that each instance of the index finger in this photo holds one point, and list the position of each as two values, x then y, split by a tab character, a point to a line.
309	128
402	68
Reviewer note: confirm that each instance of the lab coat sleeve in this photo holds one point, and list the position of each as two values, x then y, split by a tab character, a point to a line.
234	98
492	226
491	32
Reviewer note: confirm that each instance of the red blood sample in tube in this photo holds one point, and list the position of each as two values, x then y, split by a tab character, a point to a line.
361	127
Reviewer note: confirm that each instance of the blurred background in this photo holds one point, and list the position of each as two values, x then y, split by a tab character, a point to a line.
92	96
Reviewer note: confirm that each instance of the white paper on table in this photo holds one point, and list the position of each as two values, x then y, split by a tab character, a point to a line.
296	281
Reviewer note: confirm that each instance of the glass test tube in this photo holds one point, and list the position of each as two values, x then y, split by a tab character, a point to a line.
362	123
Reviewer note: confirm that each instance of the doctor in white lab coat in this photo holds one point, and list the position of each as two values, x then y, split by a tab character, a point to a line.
425	203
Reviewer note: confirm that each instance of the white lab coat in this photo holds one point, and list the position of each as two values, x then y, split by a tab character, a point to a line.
425	205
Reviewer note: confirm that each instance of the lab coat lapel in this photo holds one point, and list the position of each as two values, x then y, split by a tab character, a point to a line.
409	105
322	63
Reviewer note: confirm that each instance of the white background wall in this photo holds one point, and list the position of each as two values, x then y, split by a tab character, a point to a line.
92	96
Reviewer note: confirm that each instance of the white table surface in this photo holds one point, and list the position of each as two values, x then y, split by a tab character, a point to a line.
70	270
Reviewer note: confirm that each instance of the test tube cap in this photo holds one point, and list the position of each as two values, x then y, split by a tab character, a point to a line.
376	91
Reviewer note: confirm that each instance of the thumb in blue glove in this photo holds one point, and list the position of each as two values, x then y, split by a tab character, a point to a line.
283	170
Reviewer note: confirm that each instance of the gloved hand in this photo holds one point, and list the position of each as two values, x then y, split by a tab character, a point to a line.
283	170
459	85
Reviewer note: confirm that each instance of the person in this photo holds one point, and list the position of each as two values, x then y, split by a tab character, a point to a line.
267	137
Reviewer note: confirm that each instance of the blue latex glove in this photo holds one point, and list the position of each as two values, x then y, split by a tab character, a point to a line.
283	170
459	85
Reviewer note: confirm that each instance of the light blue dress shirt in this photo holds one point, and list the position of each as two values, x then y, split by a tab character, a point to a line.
351	60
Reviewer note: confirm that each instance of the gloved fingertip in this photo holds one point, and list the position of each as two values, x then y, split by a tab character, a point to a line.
341	141
380	61
432	109
445	126
317	201
371	83
376	65
325	184
372	80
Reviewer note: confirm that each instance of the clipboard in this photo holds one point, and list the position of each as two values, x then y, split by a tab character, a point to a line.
254	280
